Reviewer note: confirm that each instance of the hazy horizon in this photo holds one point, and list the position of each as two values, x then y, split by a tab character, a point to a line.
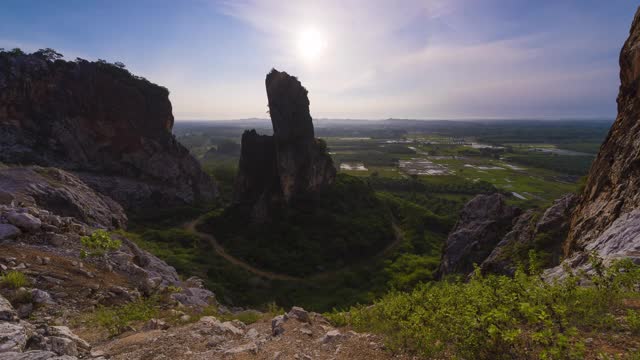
431	59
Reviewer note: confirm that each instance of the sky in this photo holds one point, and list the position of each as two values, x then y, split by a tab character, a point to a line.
359	59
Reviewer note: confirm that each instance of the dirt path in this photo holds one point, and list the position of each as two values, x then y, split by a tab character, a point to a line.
191	227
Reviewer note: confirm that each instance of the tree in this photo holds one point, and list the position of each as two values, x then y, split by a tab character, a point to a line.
119	64
48	54
16	52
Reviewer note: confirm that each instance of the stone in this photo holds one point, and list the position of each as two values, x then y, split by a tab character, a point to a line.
277	325
7	312
41	297
8	231
62	346
24	221
57	240
128	153
482	224
231	328
14	336
65	332
155	324
245	348
194	297
274	170
299	313
252	334
331	336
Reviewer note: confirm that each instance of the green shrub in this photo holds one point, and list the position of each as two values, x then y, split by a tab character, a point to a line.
497	317
116	319
633	321
14	279
98	243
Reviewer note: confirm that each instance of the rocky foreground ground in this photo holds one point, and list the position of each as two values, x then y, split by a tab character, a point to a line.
48	312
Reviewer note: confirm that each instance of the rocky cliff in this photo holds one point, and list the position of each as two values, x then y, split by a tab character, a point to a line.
482	224
275	169
541	231
606	218
109	127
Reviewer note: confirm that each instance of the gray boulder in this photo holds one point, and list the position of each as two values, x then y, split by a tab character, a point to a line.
14	336
8	231
24	221
7	312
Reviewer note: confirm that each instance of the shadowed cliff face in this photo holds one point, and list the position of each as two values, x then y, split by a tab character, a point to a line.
110	127
275	169
483	222
613	185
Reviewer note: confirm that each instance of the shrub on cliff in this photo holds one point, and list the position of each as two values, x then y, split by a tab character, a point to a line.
14	280
98	243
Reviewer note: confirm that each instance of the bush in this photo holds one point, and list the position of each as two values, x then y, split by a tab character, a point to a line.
633	321
116	319
14	280
497	317
98	243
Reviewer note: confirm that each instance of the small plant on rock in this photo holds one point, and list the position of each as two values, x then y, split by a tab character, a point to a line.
98	244
14	280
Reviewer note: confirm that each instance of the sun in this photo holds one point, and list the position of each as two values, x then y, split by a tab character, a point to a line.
311	43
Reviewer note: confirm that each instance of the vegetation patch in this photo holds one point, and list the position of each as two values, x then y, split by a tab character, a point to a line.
342	224
14	280
498	317
98	244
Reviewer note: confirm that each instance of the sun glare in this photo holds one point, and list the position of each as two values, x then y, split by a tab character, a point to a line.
311	43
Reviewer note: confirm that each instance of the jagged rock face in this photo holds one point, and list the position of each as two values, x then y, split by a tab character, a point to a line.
100	121
544	234
275	169
61	193
483	222
612	191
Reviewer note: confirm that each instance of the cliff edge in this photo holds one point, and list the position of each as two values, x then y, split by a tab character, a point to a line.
96	119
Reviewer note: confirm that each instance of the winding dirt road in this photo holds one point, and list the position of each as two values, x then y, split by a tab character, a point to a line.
191	227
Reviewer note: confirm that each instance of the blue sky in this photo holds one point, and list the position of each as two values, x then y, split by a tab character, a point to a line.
369	59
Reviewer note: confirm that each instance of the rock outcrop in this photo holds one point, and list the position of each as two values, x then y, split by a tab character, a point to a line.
483	223
545	234
109	127
605	220
59	192
275	169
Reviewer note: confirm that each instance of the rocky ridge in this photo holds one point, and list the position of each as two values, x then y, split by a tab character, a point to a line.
605	221
274	170
44	245
109	127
